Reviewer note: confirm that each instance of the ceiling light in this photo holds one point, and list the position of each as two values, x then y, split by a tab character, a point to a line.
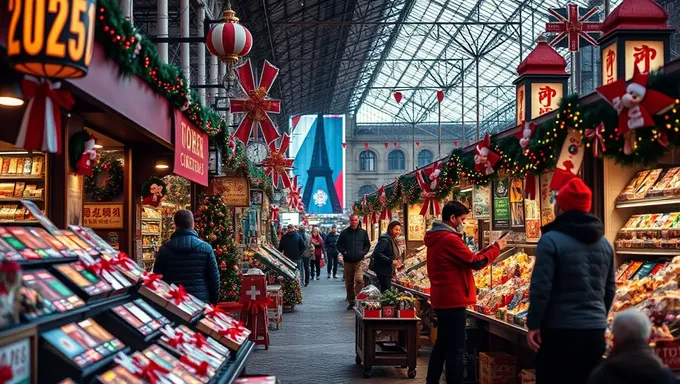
162	164
10	91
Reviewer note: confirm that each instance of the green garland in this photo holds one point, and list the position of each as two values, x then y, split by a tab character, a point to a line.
545	146
112	185
120	41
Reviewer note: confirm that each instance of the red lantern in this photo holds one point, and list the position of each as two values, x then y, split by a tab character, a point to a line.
395	144
398	96
440	96
229	40
386	145
418	144
344	145
455	144
366	145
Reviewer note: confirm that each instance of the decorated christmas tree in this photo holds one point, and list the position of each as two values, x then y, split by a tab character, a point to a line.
214	226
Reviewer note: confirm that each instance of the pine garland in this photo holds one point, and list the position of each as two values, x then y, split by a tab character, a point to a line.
545	146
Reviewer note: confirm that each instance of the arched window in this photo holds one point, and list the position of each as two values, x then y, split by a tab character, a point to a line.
366	190
396	161
367	161
424	158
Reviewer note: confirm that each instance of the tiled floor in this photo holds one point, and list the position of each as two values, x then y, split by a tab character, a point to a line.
316	344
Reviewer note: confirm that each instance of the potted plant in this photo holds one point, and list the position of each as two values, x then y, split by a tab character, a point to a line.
388	300
406	306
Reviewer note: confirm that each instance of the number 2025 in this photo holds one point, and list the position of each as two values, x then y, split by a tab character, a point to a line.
34	26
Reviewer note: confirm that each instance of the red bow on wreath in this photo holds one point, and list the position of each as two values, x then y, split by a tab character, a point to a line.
277	164
200	368
178	295
485	158
257	104
6	374
430	202
150	279
635	105
275	212
41	125
386	213
595	136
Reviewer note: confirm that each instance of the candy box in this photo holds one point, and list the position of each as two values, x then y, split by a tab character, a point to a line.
228	332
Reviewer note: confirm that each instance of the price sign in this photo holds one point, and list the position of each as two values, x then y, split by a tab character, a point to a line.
103	215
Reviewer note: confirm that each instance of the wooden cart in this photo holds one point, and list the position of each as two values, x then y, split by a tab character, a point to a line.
371	353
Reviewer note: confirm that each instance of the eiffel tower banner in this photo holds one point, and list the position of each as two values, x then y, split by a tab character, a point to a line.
316	146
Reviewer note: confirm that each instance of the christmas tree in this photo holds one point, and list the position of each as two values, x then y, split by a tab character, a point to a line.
213	224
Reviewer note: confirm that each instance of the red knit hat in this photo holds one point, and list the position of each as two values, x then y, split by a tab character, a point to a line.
575	196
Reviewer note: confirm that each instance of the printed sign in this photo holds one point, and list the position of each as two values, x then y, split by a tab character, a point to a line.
103	215
191	150
669	353
545	97
547	203
481	201
521	103
235	190
532	216
416	223
18	357
647	55
609	64
517	203
501	204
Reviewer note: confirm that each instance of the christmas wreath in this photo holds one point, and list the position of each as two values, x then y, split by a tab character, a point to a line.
177	190
111	186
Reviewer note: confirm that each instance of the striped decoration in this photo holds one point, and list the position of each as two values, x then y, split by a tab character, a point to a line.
229	41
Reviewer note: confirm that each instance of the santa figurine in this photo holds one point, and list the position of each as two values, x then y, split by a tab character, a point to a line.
86	162
525	134
485	158
155	195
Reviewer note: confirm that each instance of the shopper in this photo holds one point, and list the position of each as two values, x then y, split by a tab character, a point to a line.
185	259
449	266
572	289
317	254
632	360
307	254
293	247
385	256
353	245
331	245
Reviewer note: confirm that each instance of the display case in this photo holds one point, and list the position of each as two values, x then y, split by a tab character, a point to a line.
151	235
22	176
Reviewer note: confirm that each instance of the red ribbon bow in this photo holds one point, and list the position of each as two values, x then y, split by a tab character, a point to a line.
150	279
100	266
176	341
257	105
213	311
275	212
6	374
235	332
198	340
178	295
595	135
124	261
201	369
150	371
430	202
41	125
294	197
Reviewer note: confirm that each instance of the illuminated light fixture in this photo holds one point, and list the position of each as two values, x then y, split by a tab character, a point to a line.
98	146
162	164
10	90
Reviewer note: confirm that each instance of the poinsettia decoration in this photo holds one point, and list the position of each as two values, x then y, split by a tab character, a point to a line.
485	158
635	105
257	105
277	164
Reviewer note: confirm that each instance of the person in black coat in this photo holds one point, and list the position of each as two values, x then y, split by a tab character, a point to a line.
353	245
632	360
330	243
293	246
185	259
385	255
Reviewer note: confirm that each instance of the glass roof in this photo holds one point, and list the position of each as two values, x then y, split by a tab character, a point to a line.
440	55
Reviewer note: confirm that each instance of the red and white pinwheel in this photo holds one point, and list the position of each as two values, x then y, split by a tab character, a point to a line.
430	202
257	105
277	164
635	105
294	197
386	213
485	158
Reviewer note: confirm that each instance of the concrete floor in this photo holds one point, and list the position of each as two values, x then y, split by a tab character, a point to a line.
316	344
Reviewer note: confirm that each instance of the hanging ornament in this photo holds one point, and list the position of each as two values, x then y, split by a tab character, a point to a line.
398	96
277	164
455	143
275	212
430	202
386	145
366	145
417	144
569	162
395	144
440	96
257	105
41	125
344	145
82	153
485	158
294	198
386	213
595	136
524	135
635	105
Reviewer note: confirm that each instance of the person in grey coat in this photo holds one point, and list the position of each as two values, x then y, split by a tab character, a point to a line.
307	254
572	289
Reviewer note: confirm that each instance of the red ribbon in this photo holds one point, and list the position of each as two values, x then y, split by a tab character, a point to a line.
662	139
100	266
213	311
595	135
177	340
198	340
41	125
6	374
150	279
178	295
124	261
150	371
386	214
275	212
201	369
234	332
430	202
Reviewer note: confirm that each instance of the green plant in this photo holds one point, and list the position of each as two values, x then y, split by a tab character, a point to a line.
389	298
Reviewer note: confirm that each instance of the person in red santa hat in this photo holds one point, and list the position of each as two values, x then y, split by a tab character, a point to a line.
572	289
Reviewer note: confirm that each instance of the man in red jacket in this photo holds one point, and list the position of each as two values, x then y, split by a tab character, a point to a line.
449	265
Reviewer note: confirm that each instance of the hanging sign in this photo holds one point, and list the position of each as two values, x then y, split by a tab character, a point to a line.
545	97
501	204
521	97
51	38
234	190
103	215
416	223
517	203
646	55
609	64
191	151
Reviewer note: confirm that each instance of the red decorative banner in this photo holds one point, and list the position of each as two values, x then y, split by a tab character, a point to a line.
191	150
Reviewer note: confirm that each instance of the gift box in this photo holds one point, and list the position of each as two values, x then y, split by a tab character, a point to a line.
372	313
183	341
406	313
187	368
153	362
173	298
226	331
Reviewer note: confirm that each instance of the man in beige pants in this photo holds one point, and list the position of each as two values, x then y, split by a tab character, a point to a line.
353	245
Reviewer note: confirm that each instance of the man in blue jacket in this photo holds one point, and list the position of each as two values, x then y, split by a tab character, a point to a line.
572	289
185	259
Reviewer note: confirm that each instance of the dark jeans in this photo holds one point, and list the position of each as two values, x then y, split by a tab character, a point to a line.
449	347
568	355
305	261
332	263
385	282
316	265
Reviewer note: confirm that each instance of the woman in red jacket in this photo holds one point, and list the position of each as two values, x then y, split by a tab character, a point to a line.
449	266
319	252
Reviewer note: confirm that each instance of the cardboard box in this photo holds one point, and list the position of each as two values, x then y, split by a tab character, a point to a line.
187	310
497	368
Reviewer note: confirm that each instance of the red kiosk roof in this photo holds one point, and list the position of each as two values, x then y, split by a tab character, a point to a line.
636	15
543	60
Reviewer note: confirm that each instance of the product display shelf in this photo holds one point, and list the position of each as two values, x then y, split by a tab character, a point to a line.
152	223
45	263
22	177
649	202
